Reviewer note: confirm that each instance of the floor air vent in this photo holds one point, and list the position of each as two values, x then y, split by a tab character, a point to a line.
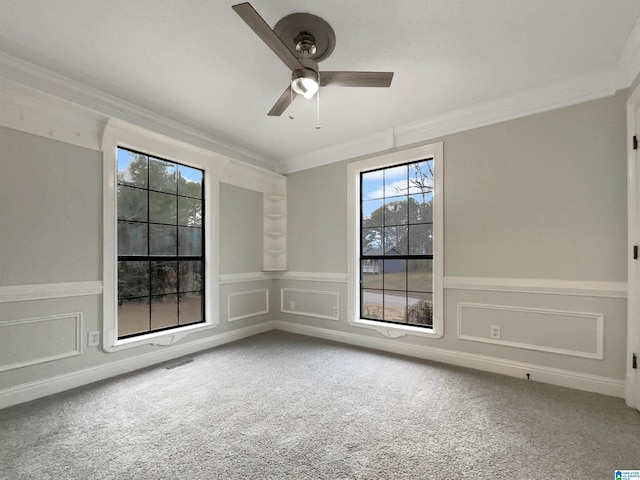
179	363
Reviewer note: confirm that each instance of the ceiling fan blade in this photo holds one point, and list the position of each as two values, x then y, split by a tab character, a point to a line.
267	35
356	79
282	103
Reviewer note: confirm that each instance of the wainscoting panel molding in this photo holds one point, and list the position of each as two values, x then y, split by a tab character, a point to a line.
310	303
31	341
21	293
247	304
577	334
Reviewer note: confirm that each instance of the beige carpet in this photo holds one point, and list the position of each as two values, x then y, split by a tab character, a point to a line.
282	406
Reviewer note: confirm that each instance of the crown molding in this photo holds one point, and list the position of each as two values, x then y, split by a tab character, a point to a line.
629	59
551	96
33	111
43	80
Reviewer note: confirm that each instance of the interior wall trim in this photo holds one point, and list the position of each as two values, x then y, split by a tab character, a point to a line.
228	278
21	293
554	376
48	386
314	277
629	59
233	295
77	318
535	285
516	285
334	295
597	318
52	83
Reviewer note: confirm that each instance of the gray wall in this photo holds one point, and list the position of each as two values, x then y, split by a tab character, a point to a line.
51	233
50	211
542	197
240	230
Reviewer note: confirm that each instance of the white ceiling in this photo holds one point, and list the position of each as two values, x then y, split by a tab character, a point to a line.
198	63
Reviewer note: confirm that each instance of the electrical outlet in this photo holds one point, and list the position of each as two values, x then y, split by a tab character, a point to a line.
495	331
292	306
93	338
335	311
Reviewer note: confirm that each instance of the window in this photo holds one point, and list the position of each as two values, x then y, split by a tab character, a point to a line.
160	244
160	209
395	242
396	248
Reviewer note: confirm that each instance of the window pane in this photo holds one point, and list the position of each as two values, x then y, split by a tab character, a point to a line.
190	276
395	306
421	177
396	212
189	211
154	197
420	275
420	311
371	274
133	316
396	280
421	208
420	239
133	279
132	204
164	277
164	311
132	238
395	241
163	208
372	241
162	240
162	175
190	241
372	185
372	213
132	168
190	307
395	181
395	274
372	304
190	181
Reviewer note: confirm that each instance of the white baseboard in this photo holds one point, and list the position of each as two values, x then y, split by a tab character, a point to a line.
49	386
41	388
564	378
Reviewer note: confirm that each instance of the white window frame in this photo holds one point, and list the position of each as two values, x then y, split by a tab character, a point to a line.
354	169
122	134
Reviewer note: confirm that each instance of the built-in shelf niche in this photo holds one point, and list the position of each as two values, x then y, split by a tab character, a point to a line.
275	227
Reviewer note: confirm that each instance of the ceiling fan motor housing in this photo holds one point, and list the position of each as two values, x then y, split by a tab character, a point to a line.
306	45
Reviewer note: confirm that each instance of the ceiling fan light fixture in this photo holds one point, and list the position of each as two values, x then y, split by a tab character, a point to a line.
305	82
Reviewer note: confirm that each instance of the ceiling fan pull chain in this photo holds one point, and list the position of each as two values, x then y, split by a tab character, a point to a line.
318	126
291	117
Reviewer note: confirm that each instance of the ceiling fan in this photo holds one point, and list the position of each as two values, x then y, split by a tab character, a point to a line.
301	40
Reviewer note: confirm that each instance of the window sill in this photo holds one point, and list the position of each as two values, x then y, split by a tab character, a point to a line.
164	338
395	331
